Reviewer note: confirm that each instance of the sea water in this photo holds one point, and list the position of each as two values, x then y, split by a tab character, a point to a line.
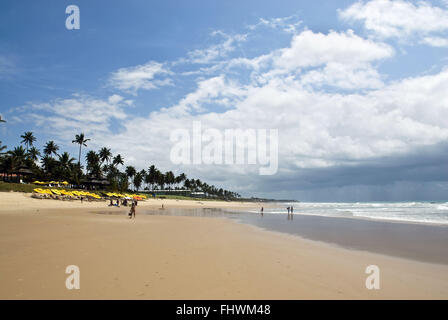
414	212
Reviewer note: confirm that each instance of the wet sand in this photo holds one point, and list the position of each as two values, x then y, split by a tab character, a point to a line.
426	243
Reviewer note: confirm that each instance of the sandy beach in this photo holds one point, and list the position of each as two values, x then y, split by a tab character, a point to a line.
172	257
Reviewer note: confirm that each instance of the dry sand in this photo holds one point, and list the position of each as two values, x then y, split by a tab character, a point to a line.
166	257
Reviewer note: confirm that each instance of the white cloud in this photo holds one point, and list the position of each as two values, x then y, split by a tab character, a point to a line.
398	18
339	59
216	91
436	42
309	49
216	51
147	76
64	117
363	76
287	24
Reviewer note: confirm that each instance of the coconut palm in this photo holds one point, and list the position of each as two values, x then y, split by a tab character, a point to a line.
34	154
130	172
66	161
160	179
169	179
28	139
105	155
93	163
123	182
138	179
2	148
180	178
118	159
151	176
81	140
51	148
18	155
65	166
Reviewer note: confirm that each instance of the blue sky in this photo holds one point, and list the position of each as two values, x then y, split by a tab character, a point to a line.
355	88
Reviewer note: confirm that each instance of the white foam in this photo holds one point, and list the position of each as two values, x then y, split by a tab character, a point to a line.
415	212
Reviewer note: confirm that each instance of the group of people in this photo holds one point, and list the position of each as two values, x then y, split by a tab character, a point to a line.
290	212
124	202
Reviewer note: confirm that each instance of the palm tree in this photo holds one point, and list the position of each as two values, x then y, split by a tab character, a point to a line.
66	167
180	178
118	159
93	163
49	166
28	139
187	184
66	161
151	176
81	140
130	172
105	155
2	148
138	179
51	148
34	154
160	179
147	179
18	154
143	173
169	179
123	182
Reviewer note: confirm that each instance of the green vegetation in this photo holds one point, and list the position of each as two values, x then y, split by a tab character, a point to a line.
28	188
101	166
175	197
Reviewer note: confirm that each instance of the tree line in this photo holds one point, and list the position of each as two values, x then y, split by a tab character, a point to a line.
51	164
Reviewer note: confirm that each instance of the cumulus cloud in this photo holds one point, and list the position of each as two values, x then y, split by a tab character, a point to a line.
310	49
436	42
398	18
147	76
342	124
65	117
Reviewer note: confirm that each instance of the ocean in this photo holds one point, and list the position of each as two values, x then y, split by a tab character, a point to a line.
410	212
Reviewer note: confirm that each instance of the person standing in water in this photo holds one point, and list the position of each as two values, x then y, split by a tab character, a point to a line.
262	209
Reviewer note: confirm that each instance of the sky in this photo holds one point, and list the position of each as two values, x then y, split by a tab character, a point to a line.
358	90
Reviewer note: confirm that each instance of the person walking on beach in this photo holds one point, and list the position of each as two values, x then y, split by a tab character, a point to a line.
132	212
262	209
289	210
